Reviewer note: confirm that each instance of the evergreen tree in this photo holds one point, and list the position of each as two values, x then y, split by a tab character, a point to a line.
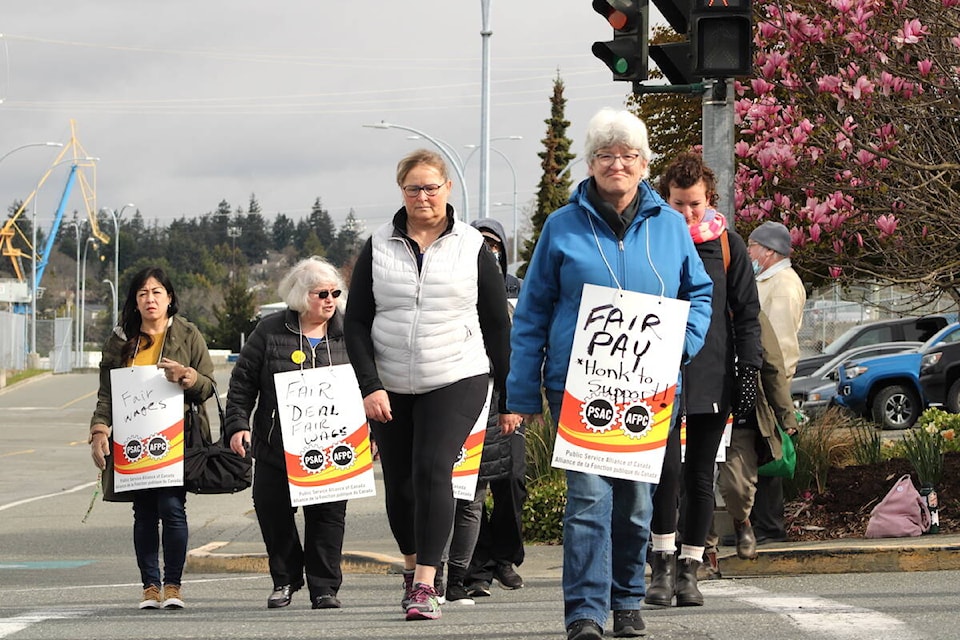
321	222
283	232
349	240
235	317
554	189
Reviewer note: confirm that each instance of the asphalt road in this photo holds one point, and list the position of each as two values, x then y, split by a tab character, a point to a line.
62	578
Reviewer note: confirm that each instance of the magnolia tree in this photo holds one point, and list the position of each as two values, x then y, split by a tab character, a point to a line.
849	133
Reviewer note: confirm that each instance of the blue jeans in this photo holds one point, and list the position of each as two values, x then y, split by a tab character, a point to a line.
606	527
150	508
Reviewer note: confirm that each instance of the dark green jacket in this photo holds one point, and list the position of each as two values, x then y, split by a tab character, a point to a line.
183	343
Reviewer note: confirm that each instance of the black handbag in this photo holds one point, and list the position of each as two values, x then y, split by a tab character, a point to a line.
212	467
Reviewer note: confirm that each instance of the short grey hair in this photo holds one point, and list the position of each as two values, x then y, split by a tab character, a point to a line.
295	287
610	127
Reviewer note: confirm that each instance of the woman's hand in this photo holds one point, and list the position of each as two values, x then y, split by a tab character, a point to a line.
509	422
186	377
99	445
239	442
377	406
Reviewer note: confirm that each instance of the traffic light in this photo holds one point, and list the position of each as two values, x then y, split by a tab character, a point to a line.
675	59
722	35
626	54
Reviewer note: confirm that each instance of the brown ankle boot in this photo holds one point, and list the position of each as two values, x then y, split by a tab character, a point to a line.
710	569
662	578
746	540
688	594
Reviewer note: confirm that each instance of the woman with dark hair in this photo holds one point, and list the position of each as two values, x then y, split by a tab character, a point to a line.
150	333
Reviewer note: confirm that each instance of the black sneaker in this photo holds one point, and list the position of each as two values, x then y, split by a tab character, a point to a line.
456	594
507	577
584	630
478	589
627	623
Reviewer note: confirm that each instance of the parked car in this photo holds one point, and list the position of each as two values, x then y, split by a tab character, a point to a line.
814	393
896	330
940	373
887	388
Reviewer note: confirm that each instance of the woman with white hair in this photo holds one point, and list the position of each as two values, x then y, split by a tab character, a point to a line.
615	232
308	334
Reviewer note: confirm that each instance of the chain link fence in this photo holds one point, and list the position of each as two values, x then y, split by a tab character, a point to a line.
829	313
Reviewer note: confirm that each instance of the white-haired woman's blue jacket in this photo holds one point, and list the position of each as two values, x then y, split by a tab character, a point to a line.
567	256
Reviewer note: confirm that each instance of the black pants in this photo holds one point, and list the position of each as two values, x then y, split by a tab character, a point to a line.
704	432
323	529
501	536
766	517
418	449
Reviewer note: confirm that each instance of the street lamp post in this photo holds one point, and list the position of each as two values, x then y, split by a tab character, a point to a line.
516	229
76	301
32	144
83	293
113	293
450	154
115	215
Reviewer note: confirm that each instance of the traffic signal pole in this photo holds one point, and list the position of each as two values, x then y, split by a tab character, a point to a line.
718	141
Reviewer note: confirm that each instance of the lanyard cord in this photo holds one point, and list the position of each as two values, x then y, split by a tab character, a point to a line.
613	275
313	355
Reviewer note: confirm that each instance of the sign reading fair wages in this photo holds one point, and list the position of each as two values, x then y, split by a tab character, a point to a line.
621	384
147	429
325	438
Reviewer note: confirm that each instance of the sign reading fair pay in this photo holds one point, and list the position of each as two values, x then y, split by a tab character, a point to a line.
621	384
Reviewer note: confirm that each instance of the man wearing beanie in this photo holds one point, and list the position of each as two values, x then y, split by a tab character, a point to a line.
782	298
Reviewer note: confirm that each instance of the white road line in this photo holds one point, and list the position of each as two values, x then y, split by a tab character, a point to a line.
820	617
9	626
80	487
117	585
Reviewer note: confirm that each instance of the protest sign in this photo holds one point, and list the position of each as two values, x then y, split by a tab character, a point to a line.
325	435
466	469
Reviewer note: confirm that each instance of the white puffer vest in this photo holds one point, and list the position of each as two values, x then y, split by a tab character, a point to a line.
426	331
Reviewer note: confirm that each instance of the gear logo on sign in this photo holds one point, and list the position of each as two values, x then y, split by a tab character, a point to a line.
157	446
461	458
343	456
598	413
312	460
133	449
637	420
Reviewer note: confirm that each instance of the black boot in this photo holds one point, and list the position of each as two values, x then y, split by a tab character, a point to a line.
688	595
663	568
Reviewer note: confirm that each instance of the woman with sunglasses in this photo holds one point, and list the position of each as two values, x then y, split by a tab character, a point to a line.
427	317
308	334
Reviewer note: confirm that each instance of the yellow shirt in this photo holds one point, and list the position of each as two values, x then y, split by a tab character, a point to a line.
149	355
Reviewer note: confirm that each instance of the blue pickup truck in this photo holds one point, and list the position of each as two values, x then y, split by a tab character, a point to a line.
887	389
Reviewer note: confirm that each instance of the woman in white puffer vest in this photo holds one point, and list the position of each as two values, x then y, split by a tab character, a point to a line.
426	317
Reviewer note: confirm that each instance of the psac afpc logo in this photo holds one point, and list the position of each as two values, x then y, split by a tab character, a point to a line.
600	414
156	447
340	456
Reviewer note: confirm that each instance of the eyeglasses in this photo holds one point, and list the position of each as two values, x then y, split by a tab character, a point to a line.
413	190
607	159
323	295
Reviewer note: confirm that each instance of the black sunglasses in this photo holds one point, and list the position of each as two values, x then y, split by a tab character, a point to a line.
323	295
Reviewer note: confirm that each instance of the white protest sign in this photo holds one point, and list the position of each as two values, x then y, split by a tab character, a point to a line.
621	384
147	429
466	470
325	437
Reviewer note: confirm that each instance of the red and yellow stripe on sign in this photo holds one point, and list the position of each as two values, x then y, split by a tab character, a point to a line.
574	430
174	454
474	447
330	473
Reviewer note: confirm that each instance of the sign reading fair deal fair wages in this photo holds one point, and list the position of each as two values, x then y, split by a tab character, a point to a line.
147	429
325	438
621	384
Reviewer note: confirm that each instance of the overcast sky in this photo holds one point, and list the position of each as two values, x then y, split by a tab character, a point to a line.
188	103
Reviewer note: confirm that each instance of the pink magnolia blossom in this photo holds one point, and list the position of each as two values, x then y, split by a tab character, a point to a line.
835	272
911	32
924	66
887	224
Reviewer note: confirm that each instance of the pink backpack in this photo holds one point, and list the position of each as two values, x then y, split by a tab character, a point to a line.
902	513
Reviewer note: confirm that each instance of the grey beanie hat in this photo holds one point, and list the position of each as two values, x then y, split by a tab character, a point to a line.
773	235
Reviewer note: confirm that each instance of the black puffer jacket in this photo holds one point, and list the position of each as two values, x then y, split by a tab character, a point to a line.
268	351
734	334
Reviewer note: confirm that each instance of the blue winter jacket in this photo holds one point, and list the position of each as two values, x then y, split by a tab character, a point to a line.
567	256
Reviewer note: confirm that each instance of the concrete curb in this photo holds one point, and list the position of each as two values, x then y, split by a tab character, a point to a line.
847	556
207	559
